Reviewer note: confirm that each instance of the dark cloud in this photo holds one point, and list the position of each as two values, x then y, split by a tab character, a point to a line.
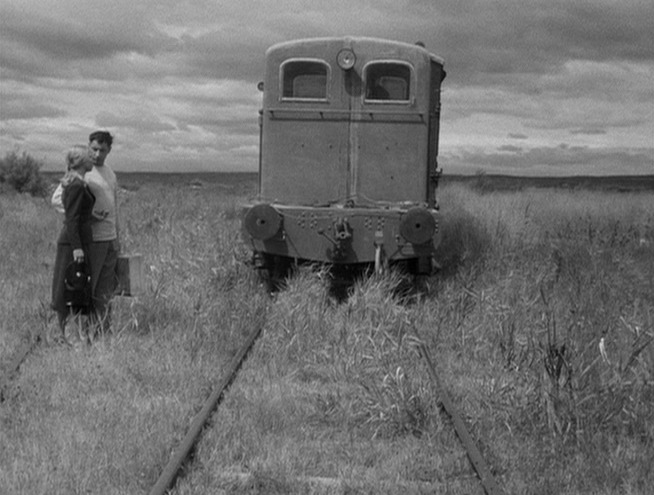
486	41
145	123
219	102
591	131
596	30
583	117
508	148
517	135
17	108
43	43
64	41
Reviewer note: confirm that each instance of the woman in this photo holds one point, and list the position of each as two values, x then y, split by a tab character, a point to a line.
74	240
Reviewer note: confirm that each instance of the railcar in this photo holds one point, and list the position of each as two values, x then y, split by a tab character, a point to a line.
348	167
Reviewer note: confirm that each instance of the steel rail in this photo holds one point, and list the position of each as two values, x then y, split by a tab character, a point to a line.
17	361
170	472
476	459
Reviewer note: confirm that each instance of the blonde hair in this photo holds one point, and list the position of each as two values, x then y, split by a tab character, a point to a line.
75	158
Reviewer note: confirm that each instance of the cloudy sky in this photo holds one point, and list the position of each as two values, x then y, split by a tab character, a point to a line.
534	87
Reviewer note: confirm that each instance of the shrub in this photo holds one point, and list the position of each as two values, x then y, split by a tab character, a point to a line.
22	172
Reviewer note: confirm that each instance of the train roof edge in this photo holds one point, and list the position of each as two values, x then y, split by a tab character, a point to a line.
346	39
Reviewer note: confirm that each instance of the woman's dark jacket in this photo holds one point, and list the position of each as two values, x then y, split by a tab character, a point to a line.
78	201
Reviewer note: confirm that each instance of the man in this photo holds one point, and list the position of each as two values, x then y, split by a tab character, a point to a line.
105	246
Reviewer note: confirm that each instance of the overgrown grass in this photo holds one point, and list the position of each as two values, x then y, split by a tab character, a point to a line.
334	397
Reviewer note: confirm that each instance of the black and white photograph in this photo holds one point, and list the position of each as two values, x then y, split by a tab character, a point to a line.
333	248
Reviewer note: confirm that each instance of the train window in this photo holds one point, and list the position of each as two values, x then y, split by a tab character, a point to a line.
388	81
304	79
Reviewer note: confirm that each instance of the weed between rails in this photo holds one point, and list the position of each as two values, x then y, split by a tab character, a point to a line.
357	350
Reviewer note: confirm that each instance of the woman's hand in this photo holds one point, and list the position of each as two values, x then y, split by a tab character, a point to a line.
100	214
78	255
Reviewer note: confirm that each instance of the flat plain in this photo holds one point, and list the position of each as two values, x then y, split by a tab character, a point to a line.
540	324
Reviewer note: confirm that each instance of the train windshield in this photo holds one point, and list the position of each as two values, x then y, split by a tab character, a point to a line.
388	81
305	79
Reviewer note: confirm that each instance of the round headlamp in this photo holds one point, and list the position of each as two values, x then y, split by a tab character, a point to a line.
346	59
262	221
417	225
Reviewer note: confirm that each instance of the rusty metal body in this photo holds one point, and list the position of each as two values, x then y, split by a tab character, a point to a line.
349	140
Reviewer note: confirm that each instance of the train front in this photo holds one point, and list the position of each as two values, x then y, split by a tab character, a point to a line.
349	140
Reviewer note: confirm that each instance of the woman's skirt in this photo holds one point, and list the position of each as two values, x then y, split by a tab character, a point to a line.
65	300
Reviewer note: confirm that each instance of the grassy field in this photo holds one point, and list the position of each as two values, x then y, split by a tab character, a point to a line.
334	398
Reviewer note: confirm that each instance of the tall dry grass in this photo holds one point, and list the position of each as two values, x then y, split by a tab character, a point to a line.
334	397
103	419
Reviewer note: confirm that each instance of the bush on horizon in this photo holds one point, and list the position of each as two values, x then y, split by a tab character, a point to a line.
22	172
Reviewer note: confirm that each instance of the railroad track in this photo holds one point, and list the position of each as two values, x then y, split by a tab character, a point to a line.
14	365
169	474
183	451
24	350
474	455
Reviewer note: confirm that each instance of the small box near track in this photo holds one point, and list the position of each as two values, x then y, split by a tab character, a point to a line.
129	275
